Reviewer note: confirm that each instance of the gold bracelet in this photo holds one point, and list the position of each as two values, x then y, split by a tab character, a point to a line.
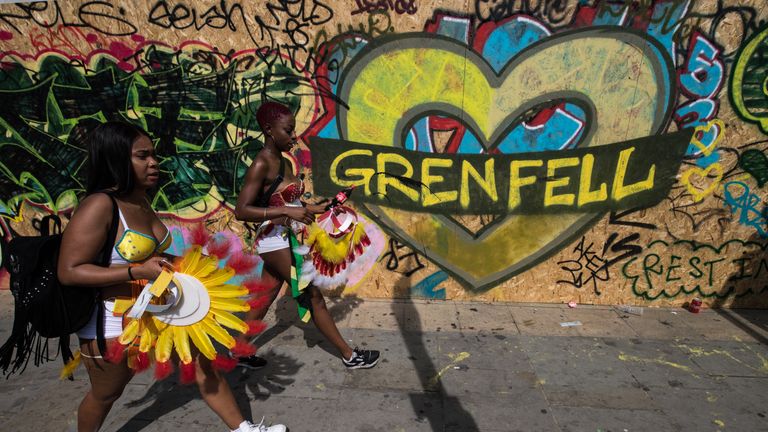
265	213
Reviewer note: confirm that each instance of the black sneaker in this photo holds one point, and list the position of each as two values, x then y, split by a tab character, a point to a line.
362	359
251	362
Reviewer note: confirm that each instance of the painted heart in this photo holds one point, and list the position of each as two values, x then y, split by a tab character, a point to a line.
620	78
698	176
719	131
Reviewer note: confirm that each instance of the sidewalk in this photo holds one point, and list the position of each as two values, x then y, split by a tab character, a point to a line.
456	366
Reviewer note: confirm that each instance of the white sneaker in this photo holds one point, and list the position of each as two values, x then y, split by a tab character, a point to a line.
247	426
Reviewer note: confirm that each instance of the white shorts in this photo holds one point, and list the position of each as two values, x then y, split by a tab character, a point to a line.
275	239
113	325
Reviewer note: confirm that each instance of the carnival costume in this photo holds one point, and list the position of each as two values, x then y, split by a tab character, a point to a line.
336	243
186	306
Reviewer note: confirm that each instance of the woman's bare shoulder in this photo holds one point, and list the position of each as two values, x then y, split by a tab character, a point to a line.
260	165
96	204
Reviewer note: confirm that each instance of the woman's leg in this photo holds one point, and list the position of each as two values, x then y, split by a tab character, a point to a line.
108	380
259	313
278	263
216	393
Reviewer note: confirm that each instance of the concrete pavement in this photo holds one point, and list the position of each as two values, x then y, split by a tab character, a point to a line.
456	366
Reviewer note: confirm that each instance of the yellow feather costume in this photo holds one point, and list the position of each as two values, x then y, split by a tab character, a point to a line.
192	304
174	328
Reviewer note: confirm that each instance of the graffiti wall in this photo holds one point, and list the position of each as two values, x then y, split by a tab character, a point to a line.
522	151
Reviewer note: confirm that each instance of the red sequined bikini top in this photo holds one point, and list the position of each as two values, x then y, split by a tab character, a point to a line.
288	194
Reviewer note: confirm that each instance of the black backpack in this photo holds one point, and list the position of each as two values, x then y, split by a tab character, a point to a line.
44	308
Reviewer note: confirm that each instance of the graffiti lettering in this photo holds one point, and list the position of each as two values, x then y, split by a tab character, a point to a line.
719	25
319	13
394	256
100	16
680	27
554	12
742	201
489	119
398	6
223	15
291	18
689	267
702	79
334	51
181	16
703	74
596	265
625	247
499	184
586	261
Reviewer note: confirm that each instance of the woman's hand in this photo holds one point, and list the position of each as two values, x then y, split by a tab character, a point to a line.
150	269
301	214
316	208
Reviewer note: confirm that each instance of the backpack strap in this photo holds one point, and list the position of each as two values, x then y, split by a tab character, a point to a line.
263	201
106	252
106	256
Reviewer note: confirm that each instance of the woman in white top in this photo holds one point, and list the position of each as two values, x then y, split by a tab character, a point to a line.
123	164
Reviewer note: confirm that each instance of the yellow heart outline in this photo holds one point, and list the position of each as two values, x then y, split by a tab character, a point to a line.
707	150
700	194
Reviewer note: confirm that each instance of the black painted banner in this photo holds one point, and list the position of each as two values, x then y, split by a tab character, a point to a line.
628	174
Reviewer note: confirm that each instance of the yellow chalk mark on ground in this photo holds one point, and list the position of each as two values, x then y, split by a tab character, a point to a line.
720	423
454	359
320	386
625	357
763	360
457	357
701	352
711	398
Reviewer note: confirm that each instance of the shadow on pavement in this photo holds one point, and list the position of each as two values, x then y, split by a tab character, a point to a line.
168	395
287	316
746	290
461	419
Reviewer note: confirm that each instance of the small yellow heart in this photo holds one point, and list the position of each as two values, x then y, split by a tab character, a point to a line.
707	150
700	194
